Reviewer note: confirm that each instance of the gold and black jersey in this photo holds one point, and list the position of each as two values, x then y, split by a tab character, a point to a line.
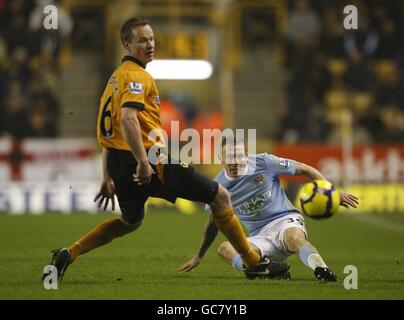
130	86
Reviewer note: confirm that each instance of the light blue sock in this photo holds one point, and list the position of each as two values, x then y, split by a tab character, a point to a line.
310	257
237	263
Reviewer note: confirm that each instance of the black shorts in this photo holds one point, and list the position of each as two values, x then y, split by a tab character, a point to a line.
176	181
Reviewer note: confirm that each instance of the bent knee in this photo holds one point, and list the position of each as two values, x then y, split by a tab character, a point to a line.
222	198
222	194
294	239
223	248
129	227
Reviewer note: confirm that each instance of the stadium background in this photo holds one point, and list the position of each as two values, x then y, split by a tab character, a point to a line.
314	91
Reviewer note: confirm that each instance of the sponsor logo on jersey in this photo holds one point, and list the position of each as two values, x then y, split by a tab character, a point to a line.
114	82
136	87
254	205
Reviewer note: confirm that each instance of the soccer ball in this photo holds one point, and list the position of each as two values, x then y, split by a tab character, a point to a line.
319	199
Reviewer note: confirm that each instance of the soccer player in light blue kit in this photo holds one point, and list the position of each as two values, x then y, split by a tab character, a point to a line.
276	227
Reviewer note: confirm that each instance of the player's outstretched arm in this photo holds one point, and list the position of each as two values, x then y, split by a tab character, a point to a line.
310	172
210	234
302	169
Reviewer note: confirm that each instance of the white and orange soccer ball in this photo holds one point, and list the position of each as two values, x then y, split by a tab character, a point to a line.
319	199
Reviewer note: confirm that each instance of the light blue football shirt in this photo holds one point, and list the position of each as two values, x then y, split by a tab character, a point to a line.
257	196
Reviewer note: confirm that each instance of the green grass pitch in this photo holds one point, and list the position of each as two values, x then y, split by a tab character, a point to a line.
143	265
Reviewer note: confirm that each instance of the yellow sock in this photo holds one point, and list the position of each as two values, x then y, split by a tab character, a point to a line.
102	234
230	226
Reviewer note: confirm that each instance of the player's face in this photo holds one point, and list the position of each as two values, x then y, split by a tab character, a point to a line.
235	159
141	45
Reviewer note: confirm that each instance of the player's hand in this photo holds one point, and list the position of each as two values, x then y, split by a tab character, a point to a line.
193	263
143	174
106	193
348	200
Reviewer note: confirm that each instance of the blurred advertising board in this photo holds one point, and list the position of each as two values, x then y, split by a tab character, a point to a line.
374	173
63	175
385	198
41	197
47	196
366	164
49	160
55	176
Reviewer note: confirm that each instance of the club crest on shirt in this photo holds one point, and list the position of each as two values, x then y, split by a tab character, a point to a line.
114	82
259	179
136	87
283	162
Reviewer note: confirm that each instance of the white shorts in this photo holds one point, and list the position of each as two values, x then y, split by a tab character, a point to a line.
270	239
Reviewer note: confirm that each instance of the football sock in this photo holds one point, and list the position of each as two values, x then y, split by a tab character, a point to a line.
310	257
237	263
230	226
102	234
